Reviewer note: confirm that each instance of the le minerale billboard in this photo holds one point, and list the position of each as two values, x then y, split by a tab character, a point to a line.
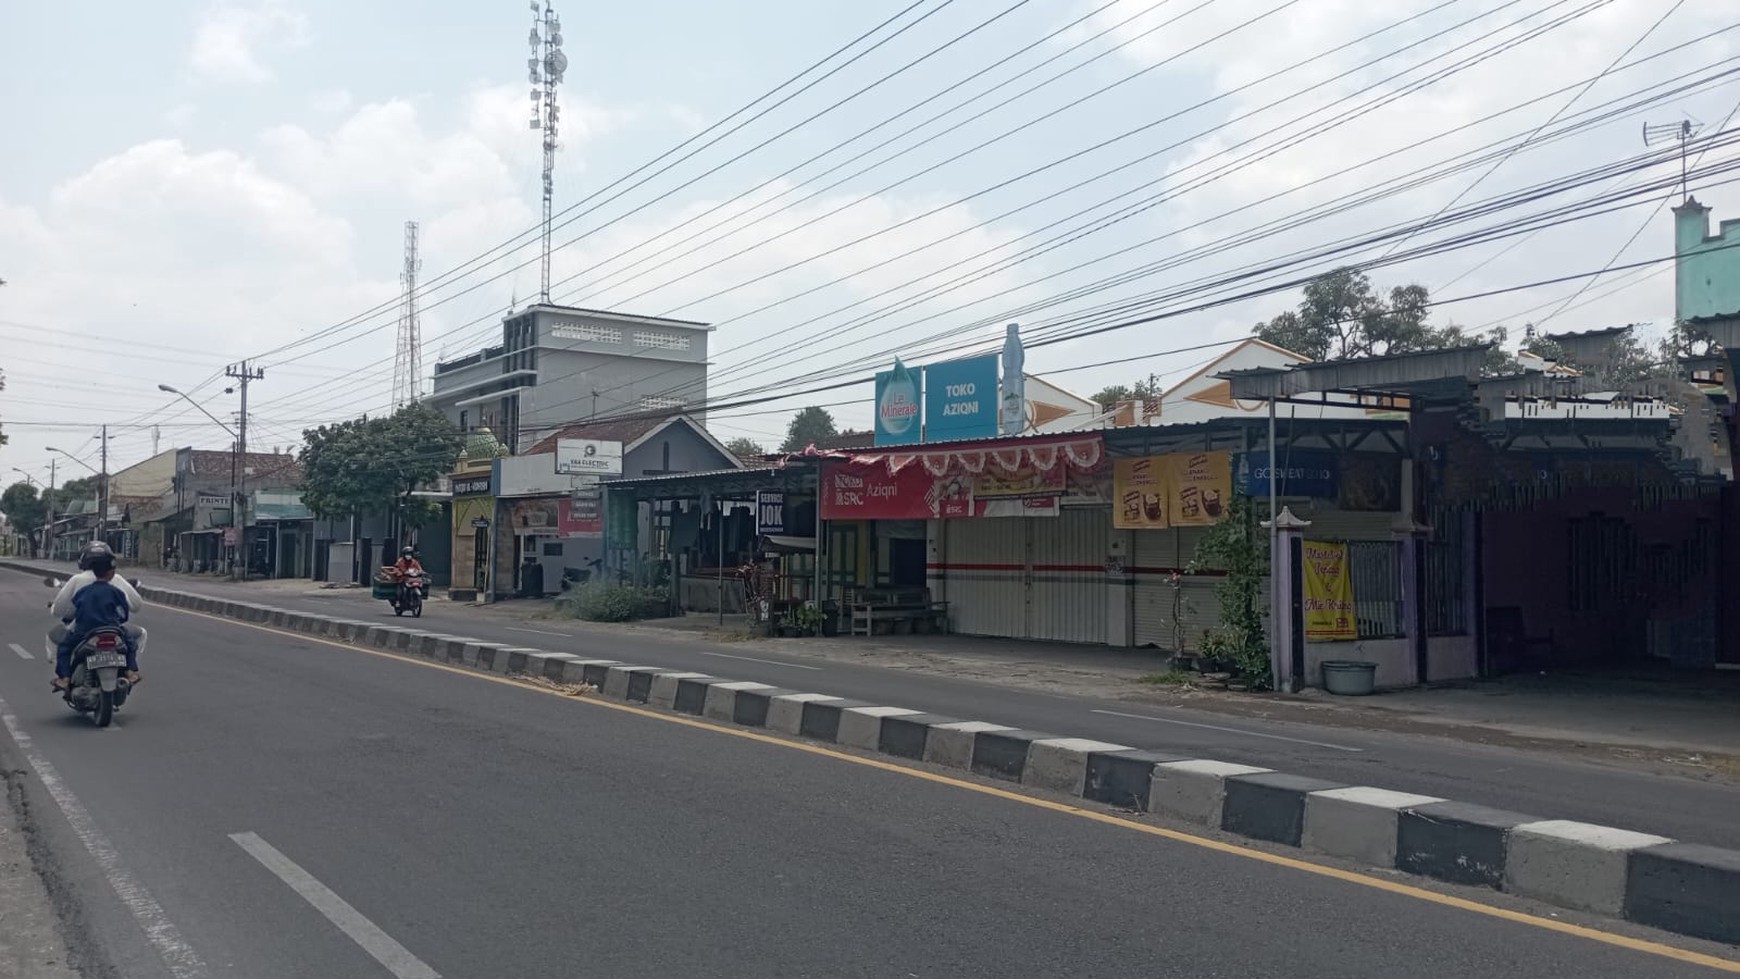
899	419
960	399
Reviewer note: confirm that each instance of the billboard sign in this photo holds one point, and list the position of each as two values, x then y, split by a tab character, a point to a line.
769	512
899	413
960	399
588	457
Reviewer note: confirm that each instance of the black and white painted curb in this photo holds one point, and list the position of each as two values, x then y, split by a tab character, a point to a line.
1680	887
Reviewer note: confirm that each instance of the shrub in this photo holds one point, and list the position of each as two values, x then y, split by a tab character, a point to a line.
599	601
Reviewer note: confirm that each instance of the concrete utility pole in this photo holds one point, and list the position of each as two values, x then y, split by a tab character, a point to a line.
48	530
243	373
103	491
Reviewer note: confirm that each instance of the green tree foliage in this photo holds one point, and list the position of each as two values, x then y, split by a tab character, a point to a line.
24	507
812	424
1148	387
369	465
1239	545
745	448
1341	317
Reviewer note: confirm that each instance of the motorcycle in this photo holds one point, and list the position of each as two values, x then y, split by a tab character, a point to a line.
404	592
96	686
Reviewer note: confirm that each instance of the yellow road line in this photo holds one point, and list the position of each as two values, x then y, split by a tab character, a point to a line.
1363	880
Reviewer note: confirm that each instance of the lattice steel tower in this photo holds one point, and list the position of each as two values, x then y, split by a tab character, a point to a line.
408	361
545	69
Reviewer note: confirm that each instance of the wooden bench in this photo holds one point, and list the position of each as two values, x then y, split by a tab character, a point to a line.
911	607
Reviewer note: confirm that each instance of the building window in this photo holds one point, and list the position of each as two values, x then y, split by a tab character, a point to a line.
661	341
464	417
653	403
1375	568
570	330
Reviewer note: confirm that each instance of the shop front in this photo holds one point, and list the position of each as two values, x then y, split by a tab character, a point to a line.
1016	532
474	535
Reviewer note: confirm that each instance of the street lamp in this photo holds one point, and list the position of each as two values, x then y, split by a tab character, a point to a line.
102	486
27	477
235	447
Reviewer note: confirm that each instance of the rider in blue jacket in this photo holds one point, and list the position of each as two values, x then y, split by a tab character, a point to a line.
91	599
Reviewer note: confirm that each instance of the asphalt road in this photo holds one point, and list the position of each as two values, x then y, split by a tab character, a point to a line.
1538	783
272	806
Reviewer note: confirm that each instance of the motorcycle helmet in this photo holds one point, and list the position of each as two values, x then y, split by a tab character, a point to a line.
407	551
96	556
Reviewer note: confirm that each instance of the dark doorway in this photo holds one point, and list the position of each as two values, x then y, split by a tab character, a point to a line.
905	562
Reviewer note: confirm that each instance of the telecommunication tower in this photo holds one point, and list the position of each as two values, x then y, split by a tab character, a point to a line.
545	69
408	361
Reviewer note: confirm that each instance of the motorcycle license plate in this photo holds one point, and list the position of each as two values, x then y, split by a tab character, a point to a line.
99	661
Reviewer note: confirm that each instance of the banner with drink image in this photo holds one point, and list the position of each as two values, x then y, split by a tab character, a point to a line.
1182	489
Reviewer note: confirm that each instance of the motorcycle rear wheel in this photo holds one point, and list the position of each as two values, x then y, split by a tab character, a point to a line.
105	711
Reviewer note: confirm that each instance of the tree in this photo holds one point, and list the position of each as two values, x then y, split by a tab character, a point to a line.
745	448
24	508
808	426
369	465
2	384
1148	387
1341	317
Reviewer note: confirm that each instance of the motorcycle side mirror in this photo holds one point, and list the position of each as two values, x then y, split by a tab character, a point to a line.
51	581
134	582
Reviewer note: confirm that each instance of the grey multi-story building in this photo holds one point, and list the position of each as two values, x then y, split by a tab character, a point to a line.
557	365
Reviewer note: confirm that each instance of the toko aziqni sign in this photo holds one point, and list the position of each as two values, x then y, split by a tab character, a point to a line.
960	399
899	418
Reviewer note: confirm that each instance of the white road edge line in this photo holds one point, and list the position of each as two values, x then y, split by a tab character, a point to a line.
180	958
21	651
769	662
538	632
398	959
1230	730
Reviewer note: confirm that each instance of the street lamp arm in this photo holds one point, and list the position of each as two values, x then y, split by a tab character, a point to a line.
69	455
169	390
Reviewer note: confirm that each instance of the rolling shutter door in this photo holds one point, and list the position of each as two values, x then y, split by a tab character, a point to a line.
1156	553
986	560
1067	590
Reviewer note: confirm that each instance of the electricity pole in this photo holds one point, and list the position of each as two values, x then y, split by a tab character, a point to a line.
48	531
243	373
103	494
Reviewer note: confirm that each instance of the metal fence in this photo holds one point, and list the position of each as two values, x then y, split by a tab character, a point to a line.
1446	609
1375	570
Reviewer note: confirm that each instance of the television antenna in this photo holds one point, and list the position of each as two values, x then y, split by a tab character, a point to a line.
1682	132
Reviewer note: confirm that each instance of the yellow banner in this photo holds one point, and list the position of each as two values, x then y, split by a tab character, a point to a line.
1139	493
1198	487
1328	592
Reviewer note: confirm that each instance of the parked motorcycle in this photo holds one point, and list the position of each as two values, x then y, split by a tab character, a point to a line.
96	686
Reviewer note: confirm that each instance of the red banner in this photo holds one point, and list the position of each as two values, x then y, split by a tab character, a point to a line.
871	493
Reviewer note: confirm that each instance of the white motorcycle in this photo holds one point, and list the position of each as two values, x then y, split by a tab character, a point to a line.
96	686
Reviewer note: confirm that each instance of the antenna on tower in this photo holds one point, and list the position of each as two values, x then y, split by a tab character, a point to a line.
1683	131
156	436
545	69
408	360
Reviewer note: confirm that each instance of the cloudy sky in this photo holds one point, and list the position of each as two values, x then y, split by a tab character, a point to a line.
189	184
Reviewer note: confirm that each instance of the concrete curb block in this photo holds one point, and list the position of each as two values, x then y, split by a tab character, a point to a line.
1680	887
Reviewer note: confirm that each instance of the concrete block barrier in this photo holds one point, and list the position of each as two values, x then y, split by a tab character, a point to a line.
861	727
1456	841
1574	865
1687	888
1003	754
821	718
662	691
951	745
1060	764
1358	822
785	713
691	695
1195	789
1269	806
1681	887
720	703
1122	778
908	735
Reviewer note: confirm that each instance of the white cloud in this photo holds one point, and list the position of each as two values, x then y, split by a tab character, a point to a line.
181	116
231	36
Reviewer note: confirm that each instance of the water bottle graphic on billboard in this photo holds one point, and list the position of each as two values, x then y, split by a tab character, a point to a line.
1013	413
897	406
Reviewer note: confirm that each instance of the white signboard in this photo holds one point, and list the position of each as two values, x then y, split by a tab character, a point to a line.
588	457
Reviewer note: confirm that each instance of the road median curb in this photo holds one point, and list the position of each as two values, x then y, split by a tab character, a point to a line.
1680	887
